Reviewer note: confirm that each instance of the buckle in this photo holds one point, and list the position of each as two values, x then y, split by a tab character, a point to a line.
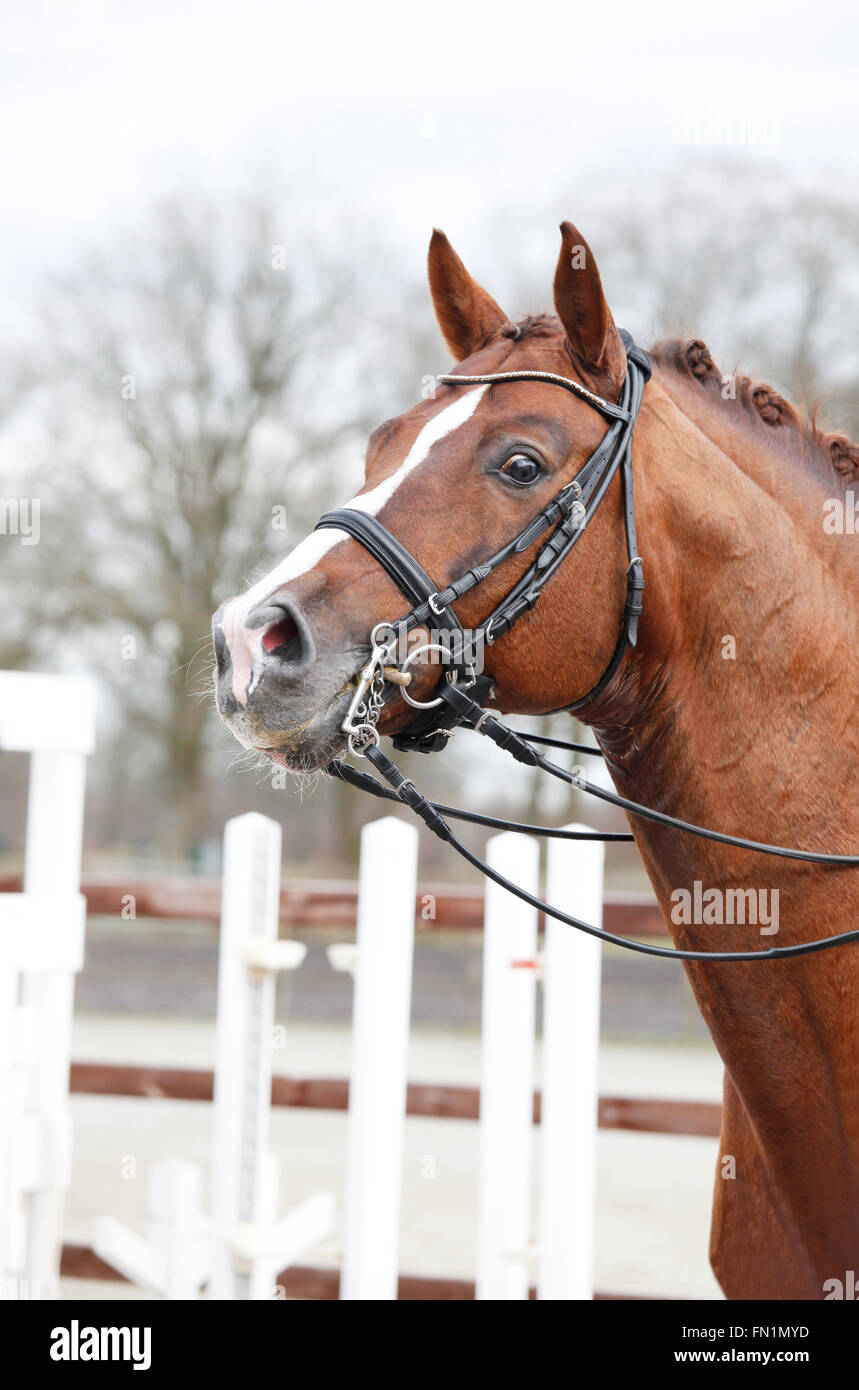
570	495
452	676
435	606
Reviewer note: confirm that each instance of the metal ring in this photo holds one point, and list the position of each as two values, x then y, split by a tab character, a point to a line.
418	651
375	642
370	736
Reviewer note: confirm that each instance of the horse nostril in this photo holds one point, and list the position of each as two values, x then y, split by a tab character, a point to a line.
283	636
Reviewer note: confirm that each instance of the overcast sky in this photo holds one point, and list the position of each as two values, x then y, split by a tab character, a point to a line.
425	114
418	114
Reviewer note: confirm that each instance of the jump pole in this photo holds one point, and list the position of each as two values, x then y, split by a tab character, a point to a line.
507	1073
380	1037
242	1248
250	1246
571	1019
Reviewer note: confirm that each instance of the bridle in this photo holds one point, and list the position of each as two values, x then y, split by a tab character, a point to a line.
459	703
570	512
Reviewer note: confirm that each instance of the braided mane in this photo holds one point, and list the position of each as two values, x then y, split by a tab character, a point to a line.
753	403
760	406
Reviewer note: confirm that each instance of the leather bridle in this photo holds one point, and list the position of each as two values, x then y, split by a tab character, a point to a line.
462	691
570	512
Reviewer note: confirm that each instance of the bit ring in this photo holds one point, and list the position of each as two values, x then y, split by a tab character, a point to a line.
412	656
368	735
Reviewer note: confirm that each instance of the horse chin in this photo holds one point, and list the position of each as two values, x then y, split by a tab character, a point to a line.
307	744
297	735
304	758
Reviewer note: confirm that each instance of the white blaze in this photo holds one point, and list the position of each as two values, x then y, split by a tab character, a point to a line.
244	644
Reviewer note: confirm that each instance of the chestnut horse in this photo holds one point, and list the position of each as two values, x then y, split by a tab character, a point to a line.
736	709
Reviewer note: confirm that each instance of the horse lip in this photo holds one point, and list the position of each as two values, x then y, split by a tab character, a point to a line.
277	756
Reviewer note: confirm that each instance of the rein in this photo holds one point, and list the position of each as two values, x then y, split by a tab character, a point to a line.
569	513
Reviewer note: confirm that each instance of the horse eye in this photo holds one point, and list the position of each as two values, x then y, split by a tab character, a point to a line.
521	469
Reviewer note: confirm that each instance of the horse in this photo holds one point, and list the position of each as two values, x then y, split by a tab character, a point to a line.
735	708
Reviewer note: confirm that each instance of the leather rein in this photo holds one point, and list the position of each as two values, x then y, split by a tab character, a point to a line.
459	703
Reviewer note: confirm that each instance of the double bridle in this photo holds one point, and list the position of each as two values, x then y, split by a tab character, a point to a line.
569	512
459	703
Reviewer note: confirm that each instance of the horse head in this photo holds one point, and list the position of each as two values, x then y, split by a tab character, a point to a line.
454	479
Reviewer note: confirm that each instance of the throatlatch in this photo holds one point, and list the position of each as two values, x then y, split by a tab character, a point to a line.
462	691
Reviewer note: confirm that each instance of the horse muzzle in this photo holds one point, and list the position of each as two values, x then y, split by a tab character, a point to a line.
286	675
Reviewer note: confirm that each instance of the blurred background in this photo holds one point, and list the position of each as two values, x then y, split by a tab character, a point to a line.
212	264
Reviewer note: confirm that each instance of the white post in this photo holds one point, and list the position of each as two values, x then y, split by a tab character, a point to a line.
507	1073
377	1093
250	909
53	718
54	833
243	1248
571	1010
12	1102
173	1259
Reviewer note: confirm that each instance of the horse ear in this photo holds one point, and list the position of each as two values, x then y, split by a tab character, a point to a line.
467	315
582	308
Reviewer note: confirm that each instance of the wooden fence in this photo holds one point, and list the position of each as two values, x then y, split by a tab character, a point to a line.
313	903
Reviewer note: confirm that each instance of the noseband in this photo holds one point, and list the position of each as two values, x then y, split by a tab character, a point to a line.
463	691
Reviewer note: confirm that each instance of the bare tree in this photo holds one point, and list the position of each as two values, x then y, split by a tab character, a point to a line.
20	524
213	373
184	411
764	271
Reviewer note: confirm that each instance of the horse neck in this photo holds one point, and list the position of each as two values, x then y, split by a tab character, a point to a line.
744	680
737	712
737	709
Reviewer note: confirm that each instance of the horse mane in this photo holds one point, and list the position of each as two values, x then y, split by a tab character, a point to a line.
753	404
757	406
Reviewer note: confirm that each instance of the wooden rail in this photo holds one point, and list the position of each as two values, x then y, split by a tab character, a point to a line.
644	1115
445	1102
320	1284
323	903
